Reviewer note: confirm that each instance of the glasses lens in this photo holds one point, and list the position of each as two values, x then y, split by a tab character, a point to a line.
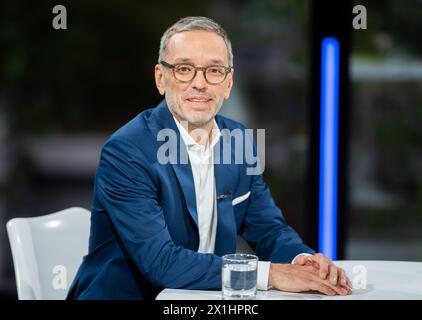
215	74
184	72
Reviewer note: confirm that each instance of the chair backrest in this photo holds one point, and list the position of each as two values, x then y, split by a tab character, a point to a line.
47	252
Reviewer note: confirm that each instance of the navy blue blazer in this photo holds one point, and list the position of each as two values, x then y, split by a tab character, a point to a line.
144	223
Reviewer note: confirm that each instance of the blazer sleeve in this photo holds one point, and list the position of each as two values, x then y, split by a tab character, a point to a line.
126	187
265	228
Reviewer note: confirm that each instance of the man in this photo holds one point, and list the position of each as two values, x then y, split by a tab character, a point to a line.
158	224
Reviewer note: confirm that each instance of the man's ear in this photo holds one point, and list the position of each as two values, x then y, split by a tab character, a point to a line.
229	84
159	79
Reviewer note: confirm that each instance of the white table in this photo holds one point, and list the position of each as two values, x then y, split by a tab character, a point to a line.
384	280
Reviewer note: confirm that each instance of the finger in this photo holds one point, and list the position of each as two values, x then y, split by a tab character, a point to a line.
310	268
344	280
337	289
302	260
342	277
334	274
313	264
320	287
323	267
349	284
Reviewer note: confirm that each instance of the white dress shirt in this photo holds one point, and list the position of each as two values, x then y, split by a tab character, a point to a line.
202	164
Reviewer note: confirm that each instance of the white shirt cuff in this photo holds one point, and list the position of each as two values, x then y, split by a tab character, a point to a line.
304	253
263	273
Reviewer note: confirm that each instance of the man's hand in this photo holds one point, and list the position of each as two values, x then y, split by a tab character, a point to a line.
326	270
299	278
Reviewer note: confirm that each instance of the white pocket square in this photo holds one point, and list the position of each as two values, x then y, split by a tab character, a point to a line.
241	198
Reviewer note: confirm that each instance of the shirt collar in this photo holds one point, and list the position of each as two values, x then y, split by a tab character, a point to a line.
188	140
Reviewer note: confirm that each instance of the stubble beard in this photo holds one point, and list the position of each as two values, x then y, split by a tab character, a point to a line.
176	110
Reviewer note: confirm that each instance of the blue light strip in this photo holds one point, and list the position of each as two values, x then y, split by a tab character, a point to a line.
328	158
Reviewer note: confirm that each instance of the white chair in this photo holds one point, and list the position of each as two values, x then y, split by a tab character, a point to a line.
47	252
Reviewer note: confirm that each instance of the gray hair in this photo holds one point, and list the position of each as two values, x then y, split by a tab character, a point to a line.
190	24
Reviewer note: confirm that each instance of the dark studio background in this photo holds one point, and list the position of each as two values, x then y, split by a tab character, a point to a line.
63	92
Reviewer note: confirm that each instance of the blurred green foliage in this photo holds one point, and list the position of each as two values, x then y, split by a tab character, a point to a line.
392	122
92	76
394	27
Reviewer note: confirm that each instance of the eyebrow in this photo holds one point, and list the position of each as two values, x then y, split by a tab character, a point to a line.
187	60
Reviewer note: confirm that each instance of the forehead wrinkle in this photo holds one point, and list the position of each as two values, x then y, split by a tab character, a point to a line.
190	61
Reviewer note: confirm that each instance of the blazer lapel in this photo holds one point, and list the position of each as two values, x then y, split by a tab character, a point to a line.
185	177
181	165
225	179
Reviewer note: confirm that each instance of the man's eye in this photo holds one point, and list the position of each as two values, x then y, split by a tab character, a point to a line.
184	69
215	70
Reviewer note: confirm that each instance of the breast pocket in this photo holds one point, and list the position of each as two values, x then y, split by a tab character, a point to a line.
240	199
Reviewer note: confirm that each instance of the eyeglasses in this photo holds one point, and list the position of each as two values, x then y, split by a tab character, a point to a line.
184	72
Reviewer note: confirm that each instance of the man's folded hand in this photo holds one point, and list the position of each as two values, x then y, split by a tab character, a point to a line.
305	277
326	269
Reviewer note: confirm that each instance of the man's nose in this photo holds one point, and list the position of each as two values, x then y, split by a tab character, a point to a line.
199	82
